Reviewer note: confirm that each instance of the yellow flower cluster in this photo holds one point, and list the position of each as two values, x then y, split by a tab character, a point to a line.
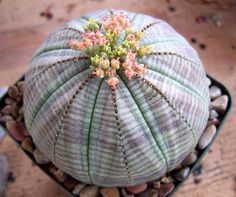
107	54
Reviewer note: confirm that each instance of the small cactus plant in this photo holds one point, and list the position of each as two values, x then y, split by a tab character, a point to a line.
116	98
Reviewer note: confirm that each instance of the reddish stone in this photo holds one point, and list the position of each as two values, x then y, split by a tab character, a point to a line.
137	188
165	189
17	130
70	183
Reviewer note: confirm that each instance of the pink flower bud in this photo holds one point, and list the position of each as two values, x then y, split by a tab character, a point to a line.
99	72
115	63
141	69
129	73
74	44
112	82
111	72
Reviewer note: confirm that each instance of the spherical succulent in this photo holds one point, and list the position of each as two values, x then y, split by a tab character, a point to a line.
116	98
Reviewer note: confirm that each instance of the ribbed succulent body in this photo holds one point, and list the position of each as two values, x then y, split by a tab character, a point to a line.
124	136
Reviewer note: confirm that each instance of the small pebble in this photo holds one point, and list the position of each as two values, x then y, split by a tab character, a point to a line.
17	130
181	174
27	145
167	179
190	159
125	194
208	82
15	110
197	171
39	157
70	183
21	111
157	184
110	192
137	188
13	92
90	191
78	188
206	137
213	114
6	110
5	118
9	101
58	173
220	104
215	92
165	189
4	171
213	121
21	86
150	192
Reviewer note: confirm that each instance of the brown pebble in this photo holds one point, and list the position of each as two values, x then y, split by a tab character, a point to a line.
207	137
150	192
6	110
220	104
124	193
165	189
9	101
137	188
21	111
58	173
90	191
157	184
27	144
70	183
13	92
17	130
5	118
181	174
167	179
213	121
190	159
21	86
110	192
39	157
15	110
78	188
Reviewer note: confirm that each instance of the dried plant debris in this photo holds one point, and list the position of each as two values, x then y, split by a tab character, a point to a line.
11	177
214	18
202	46
47	13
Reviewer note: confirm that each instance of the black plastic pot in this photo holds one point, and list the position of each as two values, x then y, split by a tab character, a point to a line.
201	154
